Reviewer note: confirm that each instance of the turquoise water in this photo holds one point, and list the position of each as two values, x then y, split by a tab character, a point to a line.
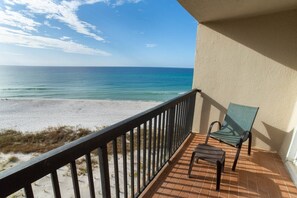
104	83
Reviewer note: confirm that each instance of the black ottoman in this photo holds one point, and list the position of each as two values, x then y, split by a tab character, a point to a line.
212	155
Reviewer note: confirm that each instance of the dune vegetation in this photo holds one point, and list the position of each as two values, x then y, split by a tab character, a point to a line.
39	142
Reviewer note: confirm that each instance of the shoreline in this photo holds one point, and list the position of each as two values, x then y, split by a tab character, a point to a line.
77	99
74	99
31	115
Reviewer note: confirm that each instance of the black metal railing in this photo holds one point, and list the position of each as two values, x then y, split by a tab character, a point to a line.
128	154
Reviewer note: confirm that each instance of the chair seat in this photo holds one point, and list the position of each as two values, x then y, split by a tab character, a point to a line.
228	137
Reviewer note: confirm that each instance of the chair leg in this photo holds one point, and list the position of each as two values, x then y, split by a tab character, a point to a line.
236	157
191	164
207	137
250	144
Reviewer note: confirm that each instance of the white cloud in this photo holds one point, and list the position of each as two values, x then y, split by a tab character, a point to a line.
151	45
47	23
21	38
134	1
122	2
64	11
65	38
8	2
17	20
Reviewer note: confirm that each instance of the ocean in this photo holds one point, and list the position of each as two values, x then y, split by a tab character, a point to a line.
96	83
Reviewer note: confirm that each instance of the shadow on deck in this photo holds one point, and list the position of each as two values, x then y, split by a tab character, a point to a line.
262	174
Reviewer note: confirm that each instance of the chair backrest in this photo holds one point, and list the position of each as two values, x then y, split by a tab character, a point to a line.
240	118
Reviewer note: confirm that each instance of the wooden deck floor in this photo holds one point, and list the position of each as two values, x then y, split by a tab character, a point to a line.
260	175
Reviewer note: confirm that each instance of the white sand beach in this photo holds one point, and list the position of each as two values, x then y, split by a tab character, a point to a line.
30	115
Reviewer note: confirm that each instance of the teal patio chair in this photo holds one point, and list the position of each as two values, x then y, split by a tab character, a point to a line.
236	128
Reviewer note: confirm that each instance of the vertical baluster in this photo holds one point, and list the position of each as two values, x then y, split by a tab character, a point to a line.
149	149
124	151
171	118
165	135
29	191
185	119
138	159
154	146
182	122
90	175
159	137
169	135
191	112
186	116
192	108
116	167
176	126
132	161
104	171
74	179
55	183
162	138
144	155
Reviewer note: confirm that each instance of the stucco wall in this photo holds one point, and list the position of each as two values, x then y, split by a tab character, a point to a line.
252	62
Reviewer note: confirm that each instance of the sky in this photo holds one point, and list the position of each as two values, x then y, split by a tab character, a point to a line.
158	33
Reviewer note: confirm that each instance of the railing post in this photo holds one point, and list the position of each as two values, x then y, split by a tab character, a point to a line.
104	171
170	130
190	116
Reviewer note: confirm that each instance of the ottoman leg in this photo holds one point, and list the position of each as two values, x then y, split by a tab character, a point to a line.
223	168
219	171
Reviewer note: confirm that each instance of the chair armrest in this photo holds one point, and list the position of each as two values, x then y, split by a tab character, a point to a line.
209	130
245	136
211	125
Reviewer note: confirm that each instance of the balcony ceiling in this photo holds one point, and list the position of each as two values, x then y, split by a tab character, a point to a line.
215	10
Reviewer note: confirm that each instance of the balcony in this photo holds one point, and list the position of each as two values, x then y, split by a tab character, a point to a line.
262	174
147	155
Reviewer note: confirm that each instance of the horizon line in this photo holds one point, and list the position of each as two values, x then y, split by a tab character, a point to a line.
122	66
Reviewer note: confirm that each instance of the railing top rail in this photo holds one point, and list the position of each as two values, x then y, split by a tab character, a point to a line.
46	163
